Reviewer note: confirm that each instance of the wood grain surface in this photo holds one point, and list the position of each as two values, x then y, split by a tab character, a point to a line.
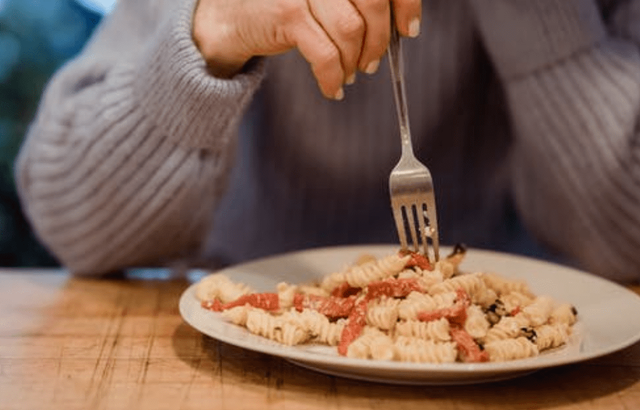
69	343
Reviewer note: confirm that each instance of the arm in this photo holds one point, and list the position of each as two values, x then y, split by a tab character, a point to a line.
130	148
129	151
573	88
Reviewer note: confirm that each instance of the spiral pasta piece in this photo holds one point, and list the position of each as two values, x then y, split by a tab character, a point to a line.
409	274
539	311
383	313
470	283
219	286
417	302
428	279
332	281
564	313
372	344
361	275
320	329
436	330
508	327
476	324
237	315
510	349
275	328
515	300
411	349
286	293
550	336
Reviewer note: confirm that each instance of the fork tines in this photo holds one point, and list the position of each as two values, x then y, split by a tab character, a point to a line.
418	217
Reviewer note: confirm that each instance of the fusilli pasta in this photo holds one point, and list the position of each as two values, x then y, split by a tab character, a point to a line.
401	307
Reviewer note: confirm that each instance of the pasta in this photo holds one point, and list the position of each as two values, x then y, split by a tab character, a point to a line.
436	330
539	311
477	325
412	349
552	335
508	327
219	287
565	313
373	344
383	313
514	300
318	327
417	302
401	307
360	275
274	327
511	349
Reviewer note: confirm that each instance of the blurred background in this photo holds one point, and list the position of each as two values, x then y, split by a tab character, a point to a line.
36	37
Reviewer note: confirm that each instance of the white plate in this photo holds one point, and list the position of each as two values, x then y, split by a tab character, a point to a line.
604	309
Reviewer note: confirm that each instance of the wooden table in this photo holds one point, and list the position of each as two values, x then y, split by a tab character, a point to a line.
70	343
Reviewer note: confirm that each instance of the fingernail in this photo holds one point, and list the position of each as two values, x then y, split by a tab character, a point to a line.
351	79
372	67
339	95
414	27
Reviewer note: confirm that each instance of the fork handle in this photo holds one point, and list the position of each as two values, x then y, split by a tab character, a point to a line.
396	64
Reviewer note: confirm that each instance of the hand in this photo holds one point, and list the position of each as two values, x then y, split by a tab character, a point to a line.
336	37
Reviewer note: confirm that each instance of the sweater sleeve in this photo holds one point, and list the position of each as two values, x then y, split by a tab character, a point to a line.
572	81
132	142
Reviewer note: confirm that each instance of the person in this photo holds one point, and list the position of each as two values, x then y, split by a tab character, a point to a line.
220	131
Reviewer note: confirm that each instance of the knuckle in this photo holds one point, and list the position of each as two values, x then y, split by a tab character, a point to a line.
351	26
290	11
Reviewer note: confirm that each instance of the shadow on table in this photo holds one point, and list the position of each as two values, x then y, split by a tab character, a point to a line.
547	388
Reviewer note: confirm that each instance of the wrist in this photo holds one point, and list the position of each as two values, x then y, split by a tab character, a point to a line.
175	89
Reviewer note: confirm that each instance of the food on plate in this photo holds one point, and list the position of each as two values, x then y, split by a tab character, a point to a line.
401	307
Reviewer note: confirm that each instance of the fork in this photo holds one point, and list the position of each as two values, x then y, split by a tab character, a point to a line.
410	184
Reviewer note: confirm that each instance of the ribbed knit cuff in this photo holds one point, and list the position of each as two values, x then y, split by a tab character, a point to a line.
522	36
179	93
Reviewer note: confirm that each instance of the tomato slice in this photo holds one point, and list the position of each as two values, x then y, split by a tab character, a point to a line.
456	314
417	259
392	287
468	349
345	290
266	301
354	326
332	307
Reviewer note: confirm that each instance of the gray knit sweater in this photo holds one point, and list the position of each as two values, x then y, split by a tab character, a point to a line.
524	110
